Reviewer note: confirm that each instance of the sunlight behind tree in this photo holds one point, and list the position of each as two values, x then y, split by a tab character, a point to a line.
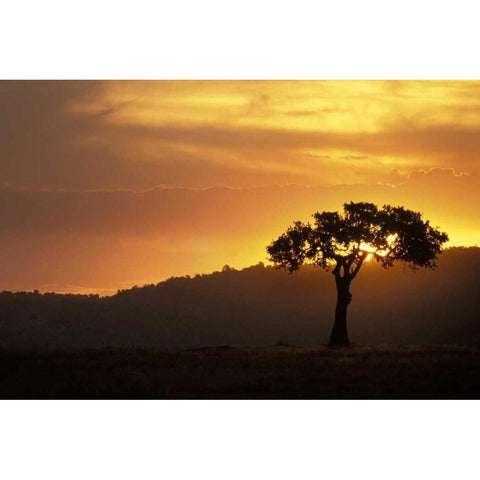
343	243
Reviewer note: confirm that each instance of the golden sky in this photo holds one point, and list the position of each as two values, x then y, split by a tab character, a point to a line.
108	184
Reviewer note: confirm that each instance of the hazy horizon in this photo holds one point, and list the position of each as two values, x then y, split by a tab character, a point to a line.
257	306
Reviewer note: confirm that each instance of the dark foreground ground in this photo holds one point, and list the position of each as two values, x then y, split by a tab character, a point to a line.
279	372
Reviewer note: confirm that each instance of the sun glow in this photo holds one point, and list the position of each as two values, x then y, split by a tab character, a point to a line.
372	251
168	178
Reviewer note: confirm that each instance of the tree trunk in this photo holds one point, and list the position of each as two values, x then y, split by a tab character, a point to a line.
339	336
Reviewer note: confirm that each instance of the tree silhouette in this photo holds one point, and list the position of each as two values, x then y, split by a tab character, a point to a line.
343	243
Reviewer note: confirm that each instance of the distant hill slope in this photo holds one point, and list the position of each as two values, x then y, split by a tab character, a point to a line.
256	306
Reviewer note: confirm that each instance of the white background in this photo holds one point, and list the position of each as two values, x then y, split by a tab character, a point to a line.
239	440
239	40
411	39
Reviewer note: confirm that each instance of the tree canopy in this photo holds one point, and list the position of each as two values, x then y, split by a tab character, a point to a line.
362	232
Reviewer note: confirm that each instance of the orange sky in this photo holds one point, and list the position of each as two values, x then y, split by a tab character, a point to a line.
109	184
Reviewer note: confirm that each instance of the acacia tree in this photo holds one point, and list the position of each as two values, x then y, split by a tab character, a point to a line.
342	243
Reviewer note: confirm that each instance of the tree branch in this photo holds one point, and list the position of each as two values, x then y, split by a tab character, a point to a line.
336	270
357	268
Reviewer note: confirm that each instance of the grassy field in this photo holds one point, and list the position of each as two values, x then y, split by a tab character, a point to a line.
277	372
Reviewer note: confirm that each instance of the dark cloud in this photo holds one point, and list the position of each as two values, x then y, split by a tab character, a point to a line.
221	211
105	238
41	140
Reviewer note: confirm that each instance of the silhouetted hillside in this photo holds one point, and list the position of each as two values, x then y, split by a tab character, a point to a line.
256	306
